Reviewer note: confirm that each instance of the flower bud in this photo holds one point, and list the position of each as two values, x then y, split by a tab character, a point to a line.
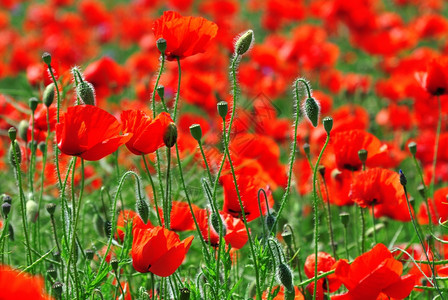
32	211
143	209
107	228
170	136
244	42
345	218
284	276
223	108
328	124
42	147
57	288
196	132
6	198
114	264
51	208
23	130
306	149
32	102
362	154
89	254
161	45
46	57
184	294
215	220
15	154
86	92
403	180
6	208
312	110
321	170
161	91
12	132
270	221
412	148
48	95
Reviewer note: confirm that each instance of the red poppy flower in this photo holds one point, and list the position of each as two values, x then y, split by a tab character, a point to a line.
181	218
374	275
126	216
89	132
435	79
382	188
17	285
325	263
158	251
147	134
281	294
185	36
440	211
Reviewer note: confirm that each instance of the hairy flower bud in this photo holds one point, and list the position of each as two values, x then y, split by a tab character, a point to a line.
312	110
48	95
170	136
244	42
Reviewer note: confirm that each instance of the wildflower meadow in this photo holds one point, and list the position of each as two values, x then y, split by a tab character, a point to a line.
224	149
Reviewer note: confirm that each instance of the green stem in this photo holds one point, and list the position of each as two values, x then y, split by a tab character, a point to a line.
363	230
425	192
374	223
167	204
162	64
436	146
154	191
178	90
330	226
205	162
316	214
235	94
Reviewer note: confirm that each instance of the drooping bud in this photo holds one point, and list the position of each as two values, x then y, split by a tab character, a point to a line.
23	130
196	132
42	147
32	211
215	220
321	170
6	208
244	42
161	91
223	108
328	124
362	154
48	95
161	45
86	93
412	148
170	136
143	209
312	110
32	102
46	57
306	149
285	277
345	218
270	221
12	133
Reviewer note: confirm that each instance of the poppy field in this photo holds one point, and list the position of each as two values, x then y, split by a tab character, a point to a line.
224	149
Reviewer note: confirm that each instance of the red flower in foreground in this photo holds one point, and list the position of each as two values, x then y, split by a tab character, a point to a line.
147	134
185	36
17	285
89	132
435	80
158	250
325	263
374	275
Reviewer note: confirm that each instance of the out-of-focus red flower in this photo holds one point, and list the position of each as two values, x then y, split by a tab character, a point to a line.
89	132
281	294
235	232
185	36
435	79
382	188
438	208
158	250
325	263
17	285
106	76
373	275
147	134
181	218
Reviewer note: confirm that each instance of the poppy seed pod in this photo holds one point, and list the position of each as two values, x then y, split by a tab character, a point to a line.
170	136
328	124
57	288
161	91
161	45
12	133
32	102
196	132
184	294
6	208
48	95
51	208
46	57
86	93
312	110
403	180
223	108
6	198
345	218
412	148
114	264
362	154
244	42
